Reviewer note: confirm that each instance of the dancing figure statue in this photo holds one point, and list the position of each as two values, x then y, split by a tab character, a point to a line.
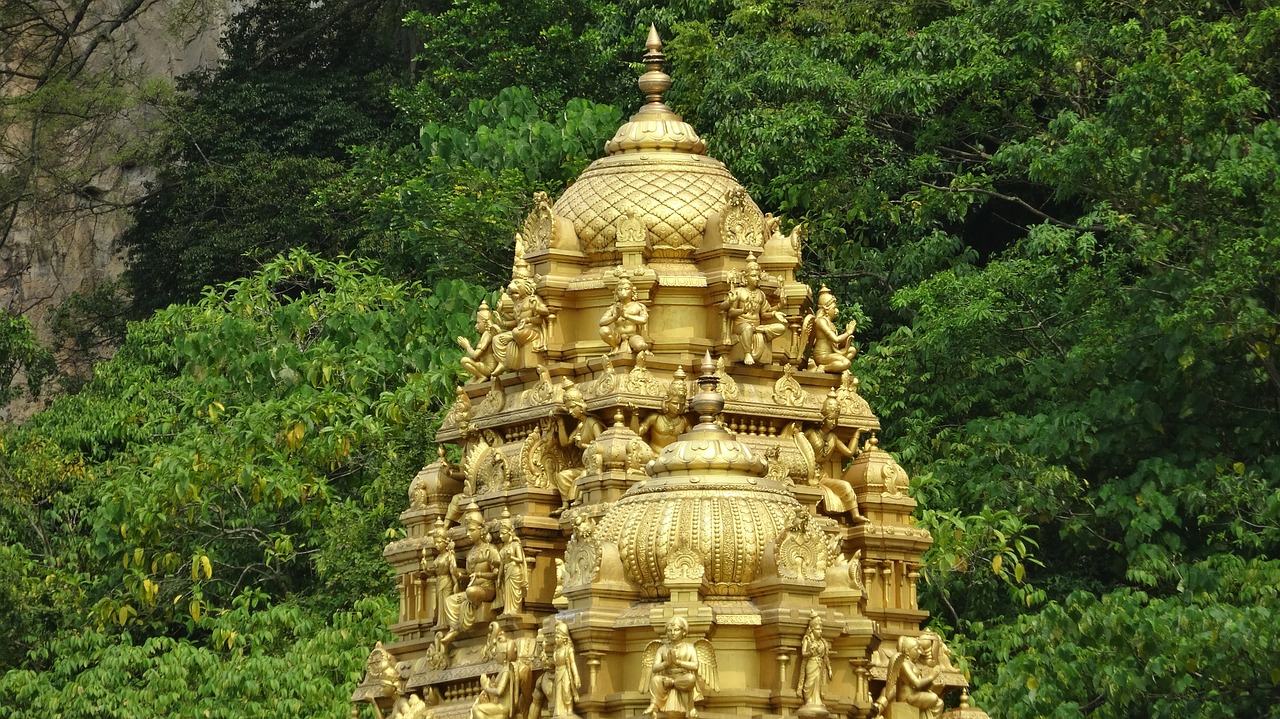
753	321
675	672
463	609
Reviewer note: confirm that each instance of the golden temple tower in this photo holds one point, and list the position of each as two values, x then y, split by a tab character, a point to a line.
619	541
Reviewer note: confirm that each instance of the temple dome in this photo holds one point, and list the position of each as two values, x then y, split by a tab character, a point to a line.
705	492
655	168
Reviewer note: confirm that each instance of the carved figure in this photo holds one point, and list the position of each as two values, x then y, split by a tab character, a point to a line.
567	683
815	665
544	689
498	694
410	707
833	351
753	321
662	428
442	571
675	672
480	360
526	316
514	577
585	430
624	325
910	681
825	446
462	609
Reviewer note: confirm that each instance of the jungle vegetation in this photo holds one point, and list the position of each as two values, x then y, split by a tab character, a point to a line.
1056	221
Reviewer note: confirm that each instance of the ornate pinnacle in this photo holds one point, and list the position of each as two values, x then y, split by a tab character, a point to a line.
708	402
655	82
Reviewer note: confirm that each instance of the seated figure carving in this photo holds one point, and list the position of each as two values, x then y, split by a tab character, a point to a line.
624	325
463	609
753	321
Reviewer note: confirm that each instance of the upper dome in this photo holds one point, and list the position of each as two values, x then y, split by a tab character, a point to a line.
655	169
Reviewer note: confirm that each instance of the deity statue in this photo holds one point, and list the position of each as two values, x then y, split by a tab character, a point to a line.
910	681
544	689
624	325
462	609
443	572
567	682
410	707
514	574
498	694
753	321
663	428
832	351
675	671
480	360
822	445
523	316
585	430
815	666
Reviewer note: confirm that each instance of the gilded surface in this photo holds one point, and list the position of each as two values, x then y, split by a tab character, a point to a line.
661	434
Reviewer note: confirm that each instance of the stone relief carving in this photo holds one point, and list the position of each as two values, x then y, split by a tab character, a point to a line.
740	221
787	391
539	225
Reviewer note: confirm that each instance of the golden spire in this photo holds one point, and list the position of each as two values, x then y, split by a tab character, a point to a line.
655	126
655	82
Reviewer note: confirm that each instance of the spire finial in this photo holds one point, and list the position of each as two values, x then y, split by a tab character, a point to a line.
655	82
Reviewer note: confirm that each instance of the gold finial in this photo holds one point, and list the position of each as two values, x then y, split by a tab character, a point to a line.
708	402
655	82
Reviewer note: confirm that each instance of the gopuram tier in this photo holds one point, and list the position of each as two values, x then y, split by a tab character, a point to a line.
670	499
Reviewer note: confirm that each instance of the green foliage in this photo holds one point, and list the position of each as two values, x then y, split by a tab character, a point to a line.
475	48
233	468
252	140
448	206
21	353
257	660
1126	653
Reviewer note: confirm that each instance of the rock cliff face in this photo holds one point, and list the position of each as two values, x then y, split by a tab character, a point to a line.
62	236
